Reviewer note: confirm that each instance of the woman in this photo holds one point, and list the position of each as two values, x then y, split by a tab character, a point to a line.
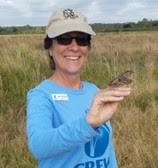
68	119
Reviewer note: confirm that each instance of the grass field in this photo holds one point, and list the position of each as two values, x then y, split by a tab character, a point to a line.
23	64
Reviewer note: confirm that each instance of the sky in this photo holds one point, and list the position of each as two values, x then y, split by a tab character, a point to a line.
37	12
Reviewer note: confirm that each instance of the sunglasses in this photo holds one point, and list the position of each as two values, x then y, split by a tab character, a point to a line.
81	39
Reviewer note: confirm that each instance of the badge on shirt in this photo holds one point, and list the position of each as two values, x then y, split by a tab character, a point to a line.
60	96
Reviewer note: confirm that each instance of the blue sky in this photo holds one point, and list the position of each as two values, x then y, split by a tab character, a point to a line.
37	12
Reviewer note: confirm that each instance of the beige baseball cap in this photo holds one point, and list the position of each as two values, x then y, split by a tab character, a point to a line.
67	20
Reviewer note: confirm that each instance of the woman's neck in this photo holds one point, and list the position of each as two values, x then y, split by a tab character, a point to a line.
67	80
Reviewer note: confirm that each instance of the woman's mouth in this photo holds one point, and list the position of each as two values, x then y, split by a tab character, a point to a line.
72	58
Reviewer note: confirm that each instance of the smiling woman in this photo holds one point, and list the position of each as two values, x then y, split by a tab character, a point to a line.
68	58
68	119
82	40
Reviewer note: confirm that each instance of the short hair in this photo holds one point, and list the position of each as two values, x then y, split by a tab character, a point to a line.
47	44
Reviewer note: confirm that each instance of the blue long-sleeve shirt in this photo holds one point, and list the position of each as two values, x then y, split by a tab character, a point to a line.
58	133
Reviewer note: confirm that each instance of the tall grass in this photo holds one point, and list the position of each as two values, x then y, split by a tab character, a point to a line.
23	64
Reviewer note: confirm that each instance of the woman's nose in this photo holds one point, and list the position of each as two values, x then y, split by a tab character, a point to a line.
74	45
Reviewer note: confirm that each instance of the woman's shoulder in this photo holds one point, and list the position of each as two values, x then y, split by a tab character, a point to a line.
90	85
40	94
41	87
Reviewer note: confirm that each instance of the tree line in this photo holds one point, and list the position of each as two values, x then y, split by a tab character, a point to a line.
143	25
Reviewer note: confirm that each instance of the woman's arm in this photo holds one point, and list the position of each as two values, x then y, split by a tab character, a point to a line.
43	138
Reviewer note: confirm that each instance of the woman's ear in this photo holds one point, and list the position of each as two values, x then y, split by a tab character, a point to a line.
50	49
51	59
50	52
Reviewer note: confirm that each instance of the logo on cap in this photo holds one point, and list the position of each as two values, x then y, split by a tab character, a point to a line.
69	13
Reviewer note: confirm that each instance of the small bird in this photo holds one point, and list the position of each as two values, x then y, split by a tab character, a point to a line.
123	79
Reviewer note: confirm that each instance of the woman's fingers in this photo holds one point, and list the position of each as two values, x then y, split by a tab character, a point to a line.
122	88
112	95
111	98
105	104
116	93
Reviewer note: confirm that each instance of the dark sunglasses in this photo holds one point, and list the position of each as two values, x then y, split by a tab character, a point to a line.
82	39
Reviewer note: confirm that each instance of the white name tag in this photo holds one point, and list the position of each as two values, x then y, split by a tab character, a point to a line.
60	96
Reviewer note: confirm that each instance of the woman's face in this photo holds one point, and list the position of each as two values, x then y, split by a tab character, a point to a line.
69	55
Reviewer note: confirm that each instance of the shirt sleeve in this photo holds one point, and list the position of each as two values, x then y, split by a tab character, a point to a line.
46	141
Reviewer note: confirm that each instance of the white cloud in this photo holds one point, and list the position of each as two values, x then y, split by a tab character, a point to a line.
5	3
92	11
137	10
132	7
15	7
37	12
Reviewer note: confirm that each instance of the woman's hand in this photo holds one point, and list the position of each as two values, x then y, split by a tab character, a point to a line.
105	104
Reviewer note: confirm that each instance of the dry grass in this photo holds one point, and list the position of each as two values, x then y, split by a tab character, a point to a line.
24	64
